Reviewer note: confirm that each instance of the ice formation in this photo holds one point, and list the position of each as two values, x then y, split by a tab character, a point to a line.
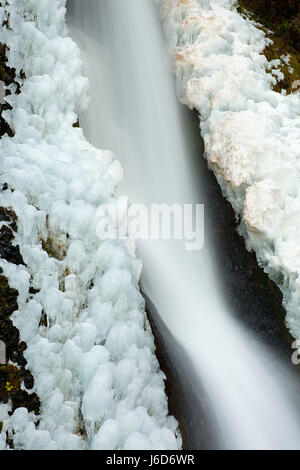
251	133
94	365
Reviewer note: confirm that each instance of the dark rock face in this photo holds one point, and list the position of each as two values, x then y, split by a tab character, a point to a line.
7	76
187	399
12	376
282	17
273	11
254	300
8	251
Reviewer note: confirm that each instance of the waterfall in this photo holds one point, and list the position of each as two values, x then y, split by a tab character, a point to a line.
135	113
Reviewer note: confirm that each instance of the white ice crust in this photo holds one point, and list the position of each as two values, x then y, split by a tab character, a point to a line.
94	366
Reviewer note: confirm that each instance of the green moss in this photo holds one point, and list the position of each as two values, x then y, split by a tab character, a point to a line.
280	20
10	381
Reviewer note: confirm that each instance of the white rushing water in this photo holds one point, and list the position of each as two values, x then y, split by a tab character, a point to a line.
134	112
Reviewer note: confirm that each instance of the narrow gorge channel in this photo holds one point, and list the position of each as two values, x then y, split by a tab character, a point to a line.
218	321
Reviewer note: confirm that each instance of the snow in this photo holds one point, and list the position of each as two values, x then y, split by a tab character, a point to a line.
251	133
94	365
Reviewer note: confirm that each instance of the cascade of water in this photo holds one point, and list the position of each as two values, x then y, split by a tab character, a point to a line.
134	112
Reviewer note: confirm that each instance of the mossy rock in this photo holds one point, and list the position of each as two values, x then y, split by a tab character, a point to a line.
280	20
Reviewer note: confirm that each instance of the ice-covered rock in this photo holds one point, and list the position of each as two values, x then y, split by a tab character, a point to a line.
93	358
251	133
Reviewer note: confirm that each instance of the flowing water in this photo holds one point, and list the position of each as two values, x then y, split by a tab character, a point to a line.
251	399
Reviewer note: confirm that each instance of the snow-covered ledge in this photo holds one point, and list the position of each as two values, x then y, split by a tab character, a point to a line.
93	359
251	133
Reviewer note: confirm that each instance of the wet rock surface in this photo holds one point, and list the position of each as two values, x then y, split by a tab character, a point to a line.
8	250
14	373
16	382
280	20
187	400
7	77
282	16
254	301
